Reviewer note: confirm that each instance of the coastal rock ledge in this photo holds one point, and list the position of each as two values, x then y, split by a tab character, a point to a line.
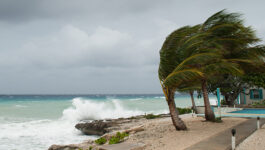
101	127
97	127
107	129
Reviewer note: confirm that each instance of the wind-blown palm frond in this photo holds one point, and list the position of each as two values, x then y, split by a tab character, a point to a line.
171	53
222	67
176	78
197	59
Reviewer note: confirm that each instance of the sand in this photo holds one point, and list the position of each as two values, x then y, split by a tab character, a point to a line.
161	134
256	141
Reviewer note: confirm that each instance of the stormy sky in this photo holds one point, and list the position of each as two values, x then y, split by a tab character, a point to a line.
100	46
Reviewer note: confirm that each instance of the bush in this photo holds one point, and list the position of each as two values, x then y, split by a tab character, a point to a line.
261	103
118	138
90	147
184	110
100	141
151	116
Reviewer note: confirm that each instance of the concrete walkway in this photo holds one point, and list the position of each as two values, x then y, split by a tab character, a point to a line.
254	141
222	141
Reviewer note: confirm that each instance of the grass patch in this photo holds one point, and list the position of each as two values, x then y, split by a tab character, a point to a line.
118	138
133	117
184	110
100	141
151	116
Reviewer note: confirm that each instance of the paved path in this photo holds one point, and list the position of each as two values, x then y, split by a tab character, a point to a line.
222	141
254	141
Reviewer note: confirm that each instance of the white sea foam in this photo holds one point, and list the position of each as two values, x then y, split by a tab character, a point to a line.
92	110
38	134
20	106
135	99
160	97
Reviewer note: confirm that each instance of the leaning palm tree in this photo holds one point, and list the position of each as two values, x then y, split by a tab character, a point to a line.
239	42
195	53
172	54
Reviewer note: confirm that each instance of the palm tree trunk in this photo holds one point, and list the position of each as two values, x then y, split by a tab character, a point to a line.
193	102
209	114
174	113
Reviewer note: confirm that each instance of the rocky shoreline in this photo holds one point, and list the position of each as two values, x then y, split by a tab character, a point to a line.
106	129
154	133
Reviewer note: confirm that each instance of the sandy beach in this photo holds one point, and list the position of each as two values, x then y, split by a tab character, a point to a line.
160	133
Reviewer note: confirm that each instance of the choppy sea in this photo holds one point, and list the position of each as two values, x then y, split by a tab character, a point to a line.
34	122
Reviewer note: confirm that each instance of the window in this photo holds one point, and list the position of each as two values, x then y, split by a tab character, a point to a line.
256	94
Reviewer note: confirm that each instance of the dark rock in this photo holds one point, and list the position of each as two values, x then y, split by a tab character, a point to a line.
100	127
97	127
64	147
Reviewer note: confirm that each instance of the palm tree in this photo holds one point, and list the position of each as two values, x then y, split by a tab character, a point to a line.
171	55
194	107
240	46
192	53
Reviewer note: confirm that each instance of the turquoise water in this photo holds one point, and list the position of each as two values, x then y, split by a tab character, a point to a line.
250	111
34	122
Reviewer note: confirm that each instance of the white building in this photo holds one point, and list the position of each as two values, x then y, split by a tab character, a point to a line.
252	95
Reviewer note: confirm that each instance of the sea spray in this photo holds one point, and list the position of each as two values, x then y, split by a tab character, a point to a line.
94	110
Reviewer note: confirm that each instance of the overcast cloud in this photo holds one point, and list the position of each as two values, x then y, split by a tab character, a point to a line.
100	46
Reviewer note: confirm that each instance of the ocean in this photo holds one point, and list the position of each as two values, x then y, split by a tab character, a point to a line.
34	122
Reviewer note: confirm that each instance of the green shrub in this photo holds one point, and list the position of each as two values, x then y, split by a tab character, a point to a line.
118	137
184	110
133	117
261	103
90	147
223	102
151	116
114	140
100	141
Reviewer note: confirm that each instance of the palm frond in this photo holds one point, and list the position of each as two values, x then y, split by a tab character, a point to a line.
176	78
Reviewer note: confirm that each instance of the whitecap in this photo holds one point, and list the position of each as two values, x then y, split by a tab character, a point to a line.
93	110
135	99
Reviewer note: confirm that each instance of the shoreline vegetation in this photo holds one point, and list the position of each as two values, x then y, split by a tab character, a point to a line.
154	133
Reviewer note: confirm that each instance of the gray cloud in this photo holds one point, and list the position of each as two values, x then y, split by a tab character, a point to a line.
83	46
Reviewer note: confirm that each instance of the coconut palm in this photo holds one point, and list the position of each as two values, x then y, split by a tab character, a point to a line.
171	55
196	53
240	46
